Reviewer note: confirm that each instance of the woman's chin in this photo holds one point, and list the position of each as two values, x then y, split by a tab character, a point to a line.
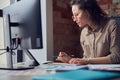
81	26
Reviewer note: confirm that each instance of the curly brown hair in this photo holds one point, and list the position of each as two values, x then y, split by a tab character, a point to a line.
96	13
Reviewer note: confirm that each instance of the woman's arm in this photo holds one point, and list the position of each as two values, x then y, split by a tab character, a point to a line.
99	60
84	61
114	31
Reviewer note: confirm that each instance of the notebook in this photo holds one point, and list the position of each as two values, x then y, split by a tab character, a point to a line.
79	75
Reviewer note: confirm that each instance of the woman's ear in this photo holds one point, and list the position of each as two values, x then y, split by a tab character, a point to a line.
87	15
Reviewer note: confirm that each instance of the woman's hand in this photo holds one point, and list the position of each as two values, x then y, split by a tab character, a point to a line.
63	57
79	61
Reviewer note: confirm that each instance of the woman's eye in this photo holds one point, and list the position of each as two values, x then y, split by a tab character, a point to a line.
75	15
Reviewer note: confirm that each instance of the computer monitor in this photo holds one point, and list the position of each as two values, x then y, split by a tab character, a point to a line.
23	20
27	14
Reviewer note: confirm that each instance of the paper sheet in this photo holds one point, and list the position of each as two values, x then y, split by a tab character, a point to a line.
106	67
62	66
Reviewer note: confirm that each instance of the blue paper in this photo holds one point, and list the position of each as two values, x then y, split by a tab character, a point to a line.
78	75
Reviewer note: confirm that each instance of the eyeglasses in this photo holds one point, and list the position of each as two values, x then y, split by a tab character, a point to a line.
74	17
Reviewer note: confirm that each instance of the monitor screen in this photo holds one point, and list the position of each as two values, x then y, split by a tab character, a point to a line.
22	24
24	20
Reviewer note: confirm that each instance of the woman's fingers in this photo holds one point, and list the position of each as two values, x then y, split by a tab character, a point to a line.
75	61
72	61
60	59
62	54
63	57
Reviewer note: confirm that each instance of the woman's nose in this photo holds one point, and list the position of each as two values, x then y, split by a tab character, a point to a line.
74	18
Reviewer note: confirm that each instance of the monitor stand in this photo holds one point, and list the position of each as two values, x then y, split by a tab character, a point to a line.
10	52
10	65
18	68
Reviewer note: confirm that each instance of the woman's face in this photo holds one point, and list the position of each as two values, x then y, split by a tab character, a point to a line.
79	16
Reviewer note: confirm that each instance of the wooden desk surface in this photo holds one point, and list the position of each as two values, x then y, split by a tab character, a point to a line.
25	74
22	74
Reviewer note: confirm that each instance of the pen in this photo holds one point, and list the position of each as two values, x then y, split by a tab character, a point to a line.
63	56
57	56
47	62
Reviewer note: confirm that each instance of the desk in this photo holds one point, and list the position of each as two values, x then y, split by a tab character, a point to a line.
25	74
22	74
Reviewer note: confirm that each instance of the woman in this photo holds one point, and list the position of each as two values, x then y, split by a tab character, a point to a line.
100	36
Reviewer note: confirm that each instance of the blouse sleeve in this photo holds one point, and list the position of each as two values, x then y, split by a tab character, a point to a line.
114	43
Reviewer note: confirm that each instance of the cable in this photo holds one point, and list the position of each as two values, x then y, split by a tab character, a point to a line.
3	53
2	49
8	50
